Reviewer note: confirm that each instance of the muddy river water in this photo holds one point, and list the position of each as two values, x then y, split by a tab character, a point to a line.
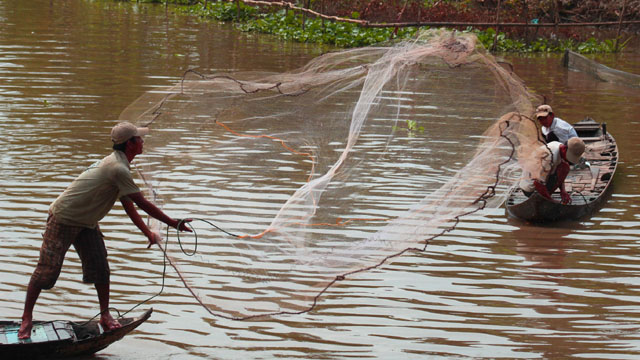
494	288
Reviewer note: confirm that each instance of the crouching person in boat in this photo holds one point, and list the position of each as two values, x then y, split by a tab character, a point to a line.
74	216
549	166
554	128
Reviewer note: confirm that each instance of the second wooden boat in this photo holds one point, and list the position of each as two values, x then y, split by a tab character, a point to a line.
587	186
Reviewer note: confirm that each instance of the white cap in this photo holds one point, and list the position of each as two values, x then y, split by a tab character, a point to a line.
543	110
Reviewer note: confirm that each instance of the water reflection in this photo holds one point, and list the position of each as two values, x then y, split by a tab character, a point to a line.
544	250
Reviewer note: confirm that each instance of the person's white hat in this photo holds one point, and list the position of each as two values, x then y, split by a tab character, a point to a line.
543	110
575	148
125	131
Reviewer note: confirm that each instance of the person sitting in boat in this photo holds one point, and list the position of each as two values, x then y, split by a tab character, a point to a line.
74	216
554	128
551	164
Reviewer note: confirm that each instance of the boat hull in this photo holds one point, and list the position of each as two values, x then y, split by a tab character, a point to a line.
62	339
539	209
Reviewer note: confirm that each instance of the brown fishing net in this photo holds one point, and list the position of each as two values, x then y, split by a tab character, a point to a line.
355	158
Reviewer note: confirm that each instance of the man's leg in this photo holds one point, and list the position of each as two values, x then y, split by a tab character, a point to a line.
552	183
33	292
56	241
106	320
95	269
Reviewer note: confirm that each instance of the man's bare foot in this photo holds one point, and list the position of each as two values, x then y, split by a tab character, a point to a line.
25	329
109	323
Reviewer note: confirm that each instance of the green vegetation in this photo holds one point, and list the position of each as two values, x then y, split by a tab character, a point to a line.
505	44
412	128
289	26
292	26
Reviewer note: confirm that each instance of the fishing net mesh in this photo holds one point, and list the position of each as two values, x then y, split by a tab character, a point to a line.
359	156
577	62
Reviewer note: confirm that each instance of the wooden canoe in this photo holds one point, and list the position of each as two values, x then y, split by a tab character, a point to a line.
587	186
62	339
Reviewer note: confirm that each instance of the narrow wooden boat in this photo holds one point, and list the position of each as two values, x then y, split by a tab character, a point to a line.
62	339
587	186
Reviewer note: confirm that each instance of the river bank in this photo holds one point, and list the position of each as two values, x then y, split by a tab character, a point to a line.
364	23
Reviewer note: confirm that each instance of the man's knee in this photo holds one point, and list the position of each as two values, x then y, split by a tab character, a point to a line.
45	276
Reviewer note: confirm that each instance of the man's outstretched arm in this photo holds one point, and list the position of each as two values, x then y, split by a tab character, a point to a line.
153	211
130	209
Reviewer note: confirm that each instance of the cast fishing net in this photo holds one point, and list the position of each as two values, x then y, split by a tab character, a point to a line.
356	158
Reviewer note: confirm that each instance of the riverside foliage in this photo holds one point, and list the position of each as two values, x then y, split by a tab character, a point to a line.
289	25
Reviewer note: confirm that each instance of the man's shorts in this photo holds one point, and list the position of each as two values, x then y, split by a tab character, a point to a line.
57	239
